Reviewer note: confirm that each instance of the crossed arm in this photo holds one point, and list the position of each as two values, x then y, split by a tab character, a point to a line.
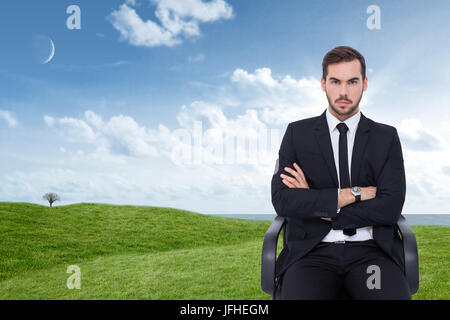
345	197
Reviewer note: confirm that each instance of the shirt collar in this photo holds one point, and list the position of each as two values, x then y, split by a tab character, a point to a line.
352	122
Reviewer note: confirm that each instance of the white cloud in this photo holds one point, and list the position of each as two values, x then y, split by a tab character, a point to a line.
177	18
75	130
49	121
425	154
197	58
240	140
415	136
93	119
263	113
120	135
9	118
204	11
262	76
139	33
281	98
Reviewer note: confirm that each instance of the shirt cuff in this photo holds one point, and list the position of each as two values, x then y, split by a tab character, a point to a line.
339	209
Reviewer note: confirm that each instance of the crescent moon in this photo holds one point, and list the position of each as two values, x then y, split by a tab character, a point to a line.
52	53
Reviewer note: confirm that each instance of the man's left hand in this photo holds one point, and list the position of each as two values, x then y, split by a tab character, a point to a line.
299	180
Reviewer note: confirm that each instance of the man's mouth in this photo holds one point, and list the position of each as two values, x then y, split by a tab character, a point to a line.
343	102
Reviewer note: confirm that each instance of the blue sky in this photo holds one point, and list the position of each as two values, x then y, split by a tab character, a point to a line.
98	122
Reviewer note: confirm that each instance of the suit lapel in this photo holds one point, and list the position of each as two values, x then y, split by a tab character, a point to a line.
361	137
324	141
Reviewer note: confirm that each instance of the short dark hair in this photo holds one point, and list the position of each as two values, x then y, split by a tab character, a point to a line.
340	54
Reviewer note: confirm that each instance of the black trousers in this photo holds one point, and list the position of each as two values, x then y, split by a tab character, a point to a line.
361	269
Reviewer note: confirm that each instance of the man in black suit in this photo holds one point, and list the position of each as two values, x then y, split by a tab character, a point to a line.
340	182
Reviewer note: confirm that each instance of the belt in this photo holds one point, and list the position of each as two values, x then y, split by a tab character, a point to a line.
344	241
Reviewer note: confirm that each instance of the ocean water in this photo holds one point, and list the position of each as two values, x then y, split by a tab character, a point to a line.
412	219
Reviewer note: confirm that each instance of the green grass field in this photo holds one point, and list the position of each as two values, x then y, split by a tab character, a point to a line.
137	252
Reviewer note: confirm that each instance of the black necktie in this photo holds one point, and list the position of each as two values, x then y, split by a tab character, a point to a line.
344	175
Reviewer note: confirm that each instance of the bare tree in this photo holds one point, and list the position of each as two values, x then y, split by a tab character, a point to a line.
51	197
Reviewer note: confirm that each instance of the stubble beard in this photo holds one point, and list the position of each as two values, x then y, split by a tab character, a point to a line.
343	114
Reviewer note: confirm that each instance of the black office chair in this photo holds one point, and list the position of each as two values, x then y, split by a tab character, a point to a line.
271	284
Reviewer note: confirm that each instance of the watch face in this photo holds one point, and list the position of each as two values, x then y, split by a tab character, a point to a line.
356	190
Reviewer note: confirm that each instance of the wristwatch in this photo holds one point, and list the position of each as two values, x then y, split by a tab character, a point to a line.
356	191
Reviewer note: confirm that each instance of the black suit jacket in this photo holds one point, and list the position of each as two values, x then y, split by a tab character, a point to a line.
377	160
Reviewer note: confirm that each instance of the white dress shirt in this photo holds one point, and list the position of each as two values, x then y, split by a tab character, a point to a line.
364	233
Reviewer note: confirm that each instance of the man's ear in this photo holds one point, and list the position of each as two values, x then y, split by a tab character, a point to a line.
365	84
322	82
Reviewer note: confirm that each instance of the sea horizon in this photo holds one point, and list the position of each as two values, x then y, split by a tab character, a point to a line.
438	219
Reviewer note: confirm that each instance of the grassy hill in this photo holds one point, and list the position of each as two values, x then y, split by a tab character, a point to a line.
137	252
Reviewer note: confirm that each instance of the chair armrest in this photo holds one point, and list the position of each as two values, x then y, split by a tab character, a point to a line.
269	254
410	254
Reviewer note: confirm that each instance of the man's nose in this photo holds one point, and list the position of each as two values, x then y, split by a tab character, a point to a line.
343	90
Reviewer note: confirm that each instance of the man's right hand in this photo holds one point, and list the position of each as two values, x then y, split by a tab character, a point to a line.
368	193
